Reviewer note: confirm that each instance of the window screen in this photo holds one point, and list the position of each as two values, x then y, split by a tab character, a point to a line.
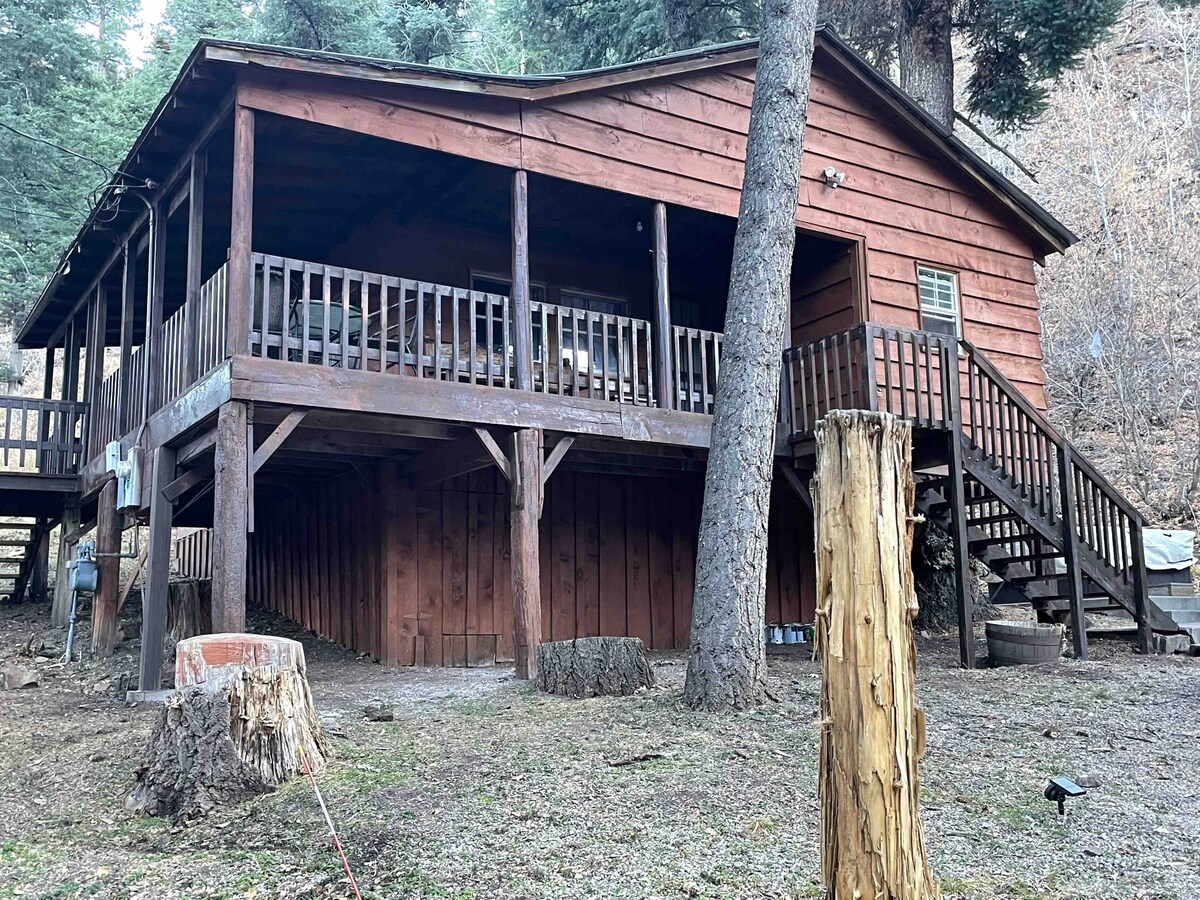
938	292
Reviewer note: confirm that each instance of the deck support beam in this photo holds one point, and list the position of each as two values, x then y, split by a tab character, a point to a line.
195	254
956	496
1141	591
1074	575
241	233
124	383
68	538
94	373
152	375
156	600
662	312
230	519
108	565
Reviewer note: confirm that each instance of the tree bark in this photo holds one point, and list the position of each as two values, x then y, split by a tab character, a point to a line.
926	58
872	734
593	666
726	666
242	724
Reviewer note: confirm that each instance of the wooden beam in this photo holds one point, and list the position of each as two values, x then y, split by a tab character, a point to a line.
276	438
1070	539
152	374
663	380
184	483
443	463
290	384
129	582
74	339
497	454
522	314
555	457
108	564
94	374
241	234
956	495
196	447
195	260
156	598
525	493
230	520
68	538
795	482
128	293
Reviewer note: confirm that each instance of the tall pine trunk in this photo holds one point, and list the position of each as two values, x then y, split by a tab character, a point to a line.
727	663
925	57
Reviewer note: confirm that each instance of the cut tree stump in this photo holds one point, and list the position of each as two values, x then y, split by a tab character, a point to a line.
593	666
872	733
234	728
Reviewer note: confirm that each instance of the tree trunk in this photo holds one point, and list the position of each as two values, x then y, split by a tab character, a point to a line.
872	734
235	729
190	609
726	667
926	58
593	666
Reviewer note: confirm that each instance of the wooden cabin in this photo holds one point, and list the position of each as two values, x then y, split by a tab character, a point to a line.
428	357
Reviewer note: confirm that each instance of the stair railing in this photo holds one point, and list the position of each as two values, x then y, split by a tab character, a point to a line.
1061	485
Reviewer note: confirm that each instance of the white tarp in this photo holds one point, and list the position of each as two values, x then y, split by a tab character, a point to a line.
1169	550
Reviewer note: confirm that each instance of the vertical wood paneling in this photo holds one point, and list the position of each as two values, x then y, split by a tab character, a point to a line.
587	557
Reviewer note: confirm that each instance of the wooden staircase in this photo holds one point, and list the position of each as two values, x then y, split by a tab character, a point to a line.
20	540
1007	486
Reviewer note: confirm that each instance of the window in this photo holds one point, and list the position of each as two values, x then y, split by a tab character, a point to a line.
501	286
604	360
938	292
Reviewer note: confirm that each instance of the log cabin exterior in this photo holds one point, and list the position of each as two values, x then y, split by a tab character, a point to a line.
433	354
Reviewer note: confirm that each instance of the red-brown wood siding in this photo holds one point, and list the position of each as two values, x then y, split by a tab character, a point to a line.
372	563
682	140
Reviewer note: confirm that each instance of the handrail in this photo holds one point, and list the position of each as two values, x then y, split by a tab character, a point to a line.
49	434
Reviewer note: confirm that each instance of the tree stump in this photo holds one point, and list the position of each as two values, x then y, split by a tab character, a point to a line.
189	610
235	727
872	734
593	666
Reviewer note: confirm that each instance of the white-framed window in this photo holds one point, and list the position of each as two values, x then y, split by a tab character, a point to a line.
941	311
501	285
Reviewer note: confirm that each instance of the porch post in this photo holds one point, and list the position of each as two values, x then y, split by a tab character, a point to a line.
1066	486
108	565
525	490
230	523
158	569
45	416
241	231
94	375
956	492
124	384
157	249
68	538
664	388
195	251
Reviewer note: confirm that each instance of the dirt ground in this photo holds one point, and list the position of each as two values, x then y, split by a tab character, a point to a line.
482	788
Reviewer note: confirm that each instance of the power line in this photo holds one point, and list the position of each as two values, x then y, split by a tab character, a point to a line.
108	170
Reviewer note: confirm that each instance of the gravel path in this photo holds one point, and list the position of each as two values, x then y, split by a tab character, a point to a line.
482	788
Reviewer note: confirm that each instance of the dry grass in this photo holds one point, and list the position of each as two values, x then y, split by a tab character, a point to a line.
483	788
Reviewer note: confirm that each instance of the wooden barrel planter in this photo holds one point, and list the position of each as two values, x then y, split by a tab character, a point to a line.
1022	643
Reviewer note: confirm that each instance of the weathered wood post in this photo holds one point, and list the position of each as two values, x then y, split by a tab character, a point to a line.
525	489
108	566
158	570
68	538
872	733
664	387
230	519
241	234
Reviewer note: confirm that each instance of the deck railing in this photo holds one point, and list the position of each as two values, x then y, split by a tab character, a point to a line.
333	316
697	363
43	436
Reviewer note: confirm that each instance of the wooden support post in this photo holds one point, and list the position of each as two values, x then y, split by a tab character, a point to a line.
1070	527
68	538
70	385
39	576
195	260
664	387
44	417
1141	590
872	733
230	522
108	565
958	505
155	600
153	374
525	492
124	384
94	375
241	271
522	314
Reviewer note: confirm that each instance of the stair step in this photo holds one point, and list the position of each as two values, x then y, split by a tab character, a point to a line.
1176	604
15	543
1184	616
994	520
